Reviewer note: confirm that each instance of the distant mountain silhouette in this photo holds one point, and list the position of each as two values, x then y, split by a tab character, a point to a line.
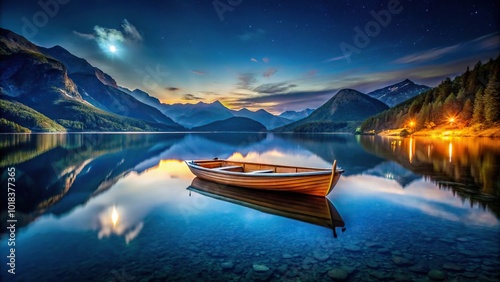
233	124
399	92
193	115
347	108
294	115
269	120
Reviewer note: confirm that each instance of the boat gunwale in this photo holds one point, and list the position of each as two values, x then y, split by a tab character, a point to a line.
319	172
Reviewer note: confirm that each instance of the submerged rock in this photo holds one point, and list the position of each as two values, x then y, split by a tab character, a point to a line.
372	244
259	272
436	275
372	264
339	274
469	275
227	265
282	268
260	268
468	253
321	256
378	275
401	277
419	269
396	253
383	250
452	266
401	261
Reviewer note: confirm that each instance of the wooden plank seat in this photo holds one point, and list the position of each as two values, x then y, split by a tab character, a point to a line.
231	167
261	171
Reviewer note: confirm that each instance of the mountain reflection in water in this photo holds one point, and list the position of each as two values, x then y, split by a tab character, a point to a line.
467	166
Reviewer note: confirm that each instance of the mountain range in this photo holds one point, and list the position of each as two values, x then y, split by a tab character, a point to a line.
398	93
195	115
50	89
294	115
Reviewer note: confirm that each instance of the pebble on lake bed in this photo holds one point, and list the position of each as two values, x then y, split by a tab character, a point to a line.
436	275
259	272
260	268
339	274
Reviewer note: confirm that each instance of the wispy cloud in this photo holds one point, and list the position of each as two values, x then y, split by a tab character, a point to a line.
198	72
208	93
279	87
87	36
335	59
252	35
246	80
191	97
131	31
265	60
489	41
269	72
427	55
172	89
254	60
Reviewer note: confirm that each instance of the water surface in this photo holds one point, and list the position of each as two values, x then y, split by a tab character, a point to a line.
115	207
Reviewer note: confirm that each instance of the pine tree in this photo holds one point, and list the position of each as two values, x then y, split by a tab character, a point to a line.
492	99
467	112
450	105
465	78
478	114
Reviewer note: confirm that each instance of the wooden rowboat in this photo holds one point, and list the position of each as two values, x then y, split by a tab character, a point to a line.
311	181
310	209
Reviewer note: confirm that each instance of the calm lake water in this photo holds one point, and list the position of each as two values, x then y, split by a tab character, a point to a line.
115	207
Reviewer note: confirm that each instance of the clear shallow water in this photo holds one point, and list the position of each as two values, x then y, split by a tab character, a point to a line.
115	207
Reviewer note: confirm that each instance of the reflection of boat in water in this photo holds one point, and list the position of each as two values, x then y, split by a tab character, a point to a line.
311	209
312	181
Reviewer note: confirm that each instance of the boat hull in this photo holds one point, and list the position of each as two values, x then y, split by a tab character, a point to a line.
317	183
311	209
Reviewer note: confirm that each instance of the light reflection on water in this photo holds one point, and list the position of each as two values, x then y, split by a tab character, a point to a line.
421	195
124	199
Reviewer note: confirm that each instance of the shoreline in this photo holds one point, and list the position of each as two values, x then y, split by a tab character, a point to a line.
491	132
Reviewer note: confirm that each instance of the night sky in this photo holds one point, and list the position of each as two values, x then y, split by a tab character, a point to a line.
276	55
